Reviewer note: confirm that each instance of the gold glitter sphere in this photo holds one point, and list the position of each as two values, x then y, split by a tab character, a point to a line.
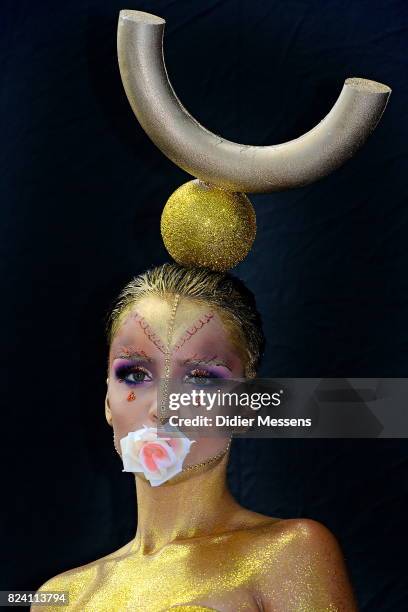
207	226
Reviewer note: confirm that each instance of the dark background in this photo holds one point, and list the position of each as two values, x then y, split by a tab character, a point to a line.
81	197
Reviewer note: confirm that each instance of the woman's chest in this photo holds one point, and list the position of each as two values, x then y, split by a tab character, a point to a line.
222	580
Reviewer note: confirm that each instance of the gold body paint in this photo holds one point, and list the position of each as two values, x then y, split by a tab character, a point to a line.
196	549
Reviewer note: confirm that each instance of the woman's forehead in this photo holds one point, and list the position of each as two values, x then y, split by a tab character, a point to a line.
156	320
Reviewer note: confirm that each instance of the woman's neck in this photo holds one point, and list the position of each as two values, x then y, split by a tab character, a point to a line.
193	503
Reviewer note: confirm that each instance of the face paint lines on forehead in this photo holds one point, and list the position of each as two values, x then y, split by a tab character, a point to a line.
157	341
201	321
148	331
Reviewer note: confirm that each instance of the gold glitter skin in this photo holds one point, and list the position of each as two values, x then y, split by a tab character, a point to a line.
197	549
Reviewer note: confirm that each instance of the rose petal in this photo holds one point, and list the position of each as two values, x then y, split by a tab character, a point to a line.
159	458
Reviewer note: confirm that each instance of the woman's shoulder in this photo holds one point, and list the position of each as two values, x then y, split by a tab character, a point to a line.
302	530
292	539
306	530
76	579
298	533
305	547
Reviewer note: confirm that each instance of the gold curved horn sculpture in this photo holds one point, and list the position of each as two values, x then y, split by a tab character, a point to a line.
226	164
209	221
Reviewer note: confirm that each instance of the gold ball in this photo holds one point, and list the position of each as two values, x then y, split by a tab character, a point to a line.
209	227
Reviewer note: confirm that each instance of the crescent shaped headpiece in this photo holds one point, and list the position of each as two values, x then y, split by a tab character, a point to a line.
210	221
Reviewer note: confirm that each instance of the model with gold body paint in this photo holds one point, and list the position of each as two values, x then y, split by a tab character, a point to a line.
195	547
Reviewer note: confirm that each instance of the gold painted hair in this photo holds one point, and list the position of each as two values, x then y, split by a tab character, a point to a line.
223	292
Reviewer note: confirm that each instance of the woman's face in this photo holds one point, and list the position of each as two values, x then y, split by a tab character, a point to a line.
200	348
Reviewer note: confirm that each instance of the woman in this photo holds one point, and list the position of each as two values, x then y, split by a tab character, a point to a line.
195	547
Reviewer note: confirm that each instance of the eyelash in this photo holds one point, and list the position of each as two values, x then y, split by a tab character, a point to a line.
123	372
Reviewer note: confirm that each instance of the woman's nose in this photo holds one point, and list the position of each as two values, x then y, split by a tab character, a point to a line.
152	411
157	412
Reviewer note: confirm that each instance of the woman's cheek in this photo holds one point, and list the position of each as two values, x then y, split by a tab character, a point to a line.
126	409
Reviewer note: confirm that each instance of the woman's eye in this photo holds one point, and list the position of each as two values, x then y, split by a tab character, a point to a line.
199	377
133	375
138	376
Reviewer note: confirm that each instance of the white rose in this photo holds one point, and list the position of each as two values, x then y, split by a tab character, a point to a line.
158	458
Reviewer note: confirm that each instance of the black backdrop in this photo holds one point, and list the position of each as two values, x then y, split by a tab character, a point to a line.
82	193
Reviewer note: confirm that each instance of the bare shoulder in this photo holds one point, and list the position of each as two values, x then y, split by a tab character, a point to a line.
310	533
301	534
306	560
77	579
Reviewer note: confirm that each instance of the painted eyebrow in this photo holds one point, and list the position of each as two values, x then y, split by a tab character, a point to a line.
130	353
206	361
